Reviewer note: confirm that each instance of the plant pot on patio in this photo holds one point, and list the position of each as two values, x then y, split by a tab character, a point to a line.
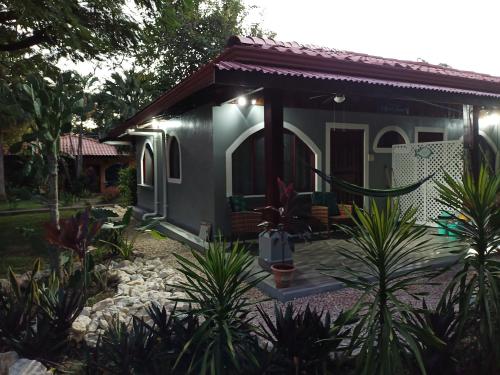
283	274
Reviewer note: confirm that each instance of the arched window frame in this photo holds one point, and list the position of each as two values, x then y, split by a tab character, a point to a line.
383	150
254	129
174	180
147	144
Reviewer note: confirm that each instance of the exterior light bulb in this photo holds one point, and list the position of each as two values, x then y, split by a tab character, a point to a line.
339	99
254	101
242	101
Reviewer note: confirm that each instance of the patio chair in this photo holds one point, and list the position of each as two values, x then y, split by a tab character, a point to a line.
244	224
323	221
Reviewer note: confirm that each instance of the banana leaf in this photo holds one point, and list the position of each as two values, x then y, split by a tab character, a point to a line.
343	185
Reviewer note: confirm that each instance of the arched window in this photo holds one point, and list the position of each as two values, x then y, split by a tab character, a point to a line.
174	161
148	170
387	137
248	164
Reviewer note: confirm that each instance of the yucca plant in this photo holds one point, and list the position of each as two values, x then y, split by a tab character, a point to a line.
216	284
389	260
305	341
472	204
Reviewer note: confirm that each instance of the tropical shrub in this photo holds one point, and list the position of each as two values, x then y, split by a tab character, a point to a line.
35	319
144	348
305	341
389	260
127	183
472	204
216	283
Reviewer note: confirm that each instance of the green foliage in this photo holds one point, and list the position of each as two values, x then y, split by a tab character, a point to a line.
216	283
35	319
127	183
304	341
390	259
473	205
199	34
142	348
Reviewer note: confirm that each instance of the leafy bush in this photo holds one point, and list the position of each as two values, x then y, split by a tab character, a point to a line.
304	342
35	320
387	264
127	183
215	285
473	205
142	348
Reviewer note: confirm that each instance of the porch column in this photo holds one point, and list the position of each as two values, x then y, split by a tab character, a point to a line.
471	138
273	143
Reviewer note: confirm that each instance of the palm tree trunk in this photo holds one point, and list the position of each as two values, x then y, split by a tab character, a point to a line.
3	194
79	158
53	193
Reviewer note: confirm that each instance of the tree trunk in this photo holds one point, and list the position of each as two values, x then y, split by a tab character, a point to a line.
53	193
79	157
3	194
53	200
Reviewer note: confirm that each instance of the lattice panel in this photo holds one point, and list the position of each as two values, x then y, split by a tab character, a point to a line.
413	162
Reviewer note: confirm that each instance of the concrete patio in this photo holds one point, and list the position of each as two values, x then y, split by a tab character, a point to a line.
310	257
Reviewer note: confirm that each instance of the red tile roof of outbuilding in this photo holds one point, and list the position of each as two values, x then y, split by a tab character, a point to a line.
90	146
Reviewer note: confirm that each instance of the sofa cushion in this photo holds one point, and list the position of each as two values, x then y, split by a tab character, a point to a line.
328	199
238	203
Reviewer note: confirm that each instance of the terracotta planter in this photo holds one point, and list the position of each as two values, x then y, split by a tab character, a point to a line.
283	274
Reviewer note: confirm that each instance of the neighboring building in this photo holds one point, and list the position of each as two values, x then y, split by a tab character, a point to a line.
101	161
264	109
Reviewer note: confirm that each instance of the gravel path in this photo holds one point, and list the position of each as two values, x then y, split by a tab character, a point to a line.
333	302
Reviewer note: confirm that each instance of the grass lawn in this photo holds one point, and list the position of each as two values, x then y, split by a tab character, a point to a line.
21	241
20	205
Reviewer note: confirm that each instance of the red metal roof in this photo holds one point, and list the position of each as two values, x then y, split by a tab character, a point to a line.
271	57
235	66
354	57
90	146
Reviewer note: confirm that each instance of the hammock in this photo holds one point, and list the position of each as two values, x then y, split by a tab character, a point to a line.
359	190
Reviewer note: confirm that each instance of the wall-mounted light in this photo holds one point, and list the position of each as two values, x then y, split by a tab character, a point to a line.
242	101
254	101
339	99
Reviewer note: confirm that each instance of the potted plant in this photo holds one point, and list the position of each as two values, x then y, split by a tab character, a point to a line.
275	241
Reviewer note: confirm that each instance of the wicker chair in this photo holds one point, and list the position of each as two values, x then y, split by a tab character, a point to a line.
245	224
323	222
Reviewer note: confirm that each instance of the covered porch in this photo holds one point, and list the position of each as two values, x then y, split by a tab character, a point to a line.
314	257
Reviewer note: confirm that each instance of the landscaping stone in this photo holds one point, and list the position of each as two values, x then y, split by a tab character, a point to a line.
141	283
7	359
26	366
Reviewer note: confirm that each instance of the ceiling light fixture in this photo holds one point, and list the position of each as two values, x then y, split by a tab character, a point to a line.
242	101
254	101
339	99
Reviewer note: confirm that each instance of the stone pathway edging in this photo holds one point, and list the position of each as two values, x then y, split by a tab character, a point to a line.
142	282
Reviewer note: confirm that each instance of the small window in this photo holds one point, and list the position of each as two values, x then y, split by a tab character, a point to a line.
430	136
148	166
174	161
389	137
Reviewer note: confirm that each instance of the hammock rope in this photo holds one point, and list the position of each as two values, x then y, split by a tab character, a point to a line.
377	193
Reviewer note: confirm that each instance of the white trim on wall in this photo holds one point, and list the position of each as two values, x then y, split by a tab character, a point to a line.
429	129
146	142
397	129
170	179
254	129
366	165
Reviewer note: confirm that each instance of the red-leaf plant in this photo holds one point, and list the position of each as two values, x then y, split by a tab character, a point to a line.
75	234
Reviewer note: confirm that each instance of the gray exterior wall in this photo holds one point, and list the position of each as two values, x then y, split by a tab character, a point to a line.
206	133
191	201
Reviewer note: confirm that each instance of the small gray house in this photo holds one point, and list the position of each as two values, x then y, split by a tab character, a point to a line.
265	109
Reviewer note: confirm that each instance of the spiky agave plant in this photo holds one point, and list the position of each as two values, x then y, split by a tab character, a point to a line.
215	286
389	260
472	203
